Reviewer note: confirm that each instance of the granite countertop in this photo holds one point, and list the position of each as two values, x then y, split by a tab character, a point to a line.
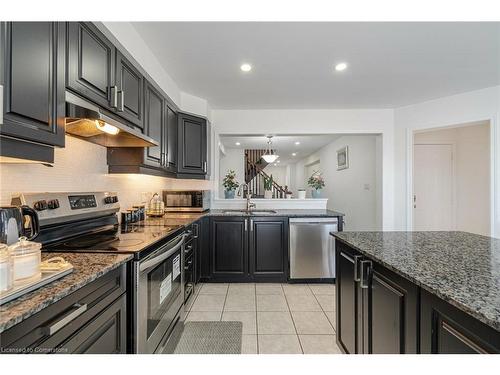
87	268
288	213
459	267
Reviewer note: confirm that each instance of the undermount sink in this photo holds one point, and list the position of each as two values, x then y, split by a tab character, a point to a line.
250	212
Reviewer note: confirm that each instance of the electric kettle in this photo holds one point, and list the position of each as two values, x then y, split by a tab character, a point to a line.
12	224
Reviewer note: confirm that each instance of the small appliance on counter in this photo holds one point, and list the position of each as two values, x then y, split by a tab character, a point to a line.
156	207
12	223
186	200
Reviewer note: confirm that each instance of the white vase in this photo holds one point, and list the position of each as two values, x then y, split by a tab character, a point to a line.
302	194
268	194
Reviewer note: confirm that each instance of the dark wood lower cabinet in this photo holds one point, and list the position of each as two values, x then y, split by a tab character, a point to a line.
381	312
444	329
248	249
268	255
92	319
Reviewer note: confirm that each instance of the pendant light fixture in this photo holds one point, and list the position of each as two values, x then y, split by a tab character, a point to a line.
269	156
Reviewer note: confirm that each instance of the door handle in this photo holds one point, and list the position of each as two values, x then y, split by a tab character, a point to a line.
121	100
76	310
356	267
366	267
114	96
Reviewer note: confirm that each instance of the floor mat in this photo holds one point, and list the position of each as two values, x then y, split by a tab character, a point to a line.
210	338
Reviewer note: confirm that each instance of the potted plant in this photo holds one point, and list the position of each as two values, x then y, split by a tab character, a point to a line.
317	183
230	184
268	187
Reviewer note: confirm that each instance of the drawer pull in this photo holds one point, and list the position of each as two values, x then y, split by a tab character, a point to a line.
77	310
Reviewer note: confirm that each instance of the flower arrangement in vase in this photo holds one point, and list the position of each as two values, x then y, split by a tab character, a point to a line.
316	182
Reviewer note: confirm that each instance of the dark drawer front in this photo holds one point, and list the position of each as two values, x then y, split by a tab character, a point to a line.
32	335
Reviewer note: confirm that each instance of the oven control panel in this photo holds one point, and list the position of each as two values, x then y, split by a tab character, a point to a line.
78	202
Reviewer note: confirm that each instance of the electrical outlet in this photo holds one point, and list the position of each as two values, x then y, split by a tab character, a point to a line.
366	186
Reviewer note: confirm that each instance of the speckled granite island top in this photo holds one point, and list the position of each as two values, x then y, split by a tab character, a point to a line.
459	267
87	268
288	213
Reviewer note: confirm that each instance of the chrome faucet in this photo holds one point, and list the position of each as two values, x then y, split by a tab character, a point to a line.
250	204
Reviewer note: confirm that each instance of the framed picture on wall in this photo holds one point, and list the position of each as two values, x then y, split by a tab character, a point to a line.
343	158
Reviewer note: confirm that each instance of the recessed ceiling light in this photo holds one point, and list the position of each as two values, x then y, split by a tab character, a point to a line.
275	164
278	161
294	154
246	67
237	143
341	66
297	143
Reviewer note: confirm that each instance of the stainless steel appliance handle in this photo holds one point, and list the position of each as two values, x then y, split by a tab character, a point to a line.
356	267
162	256
76	310
313	220
114	97
315	223
365	276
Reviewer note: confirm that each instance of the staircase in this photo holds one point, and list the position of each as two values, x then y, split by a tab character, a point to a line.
254	175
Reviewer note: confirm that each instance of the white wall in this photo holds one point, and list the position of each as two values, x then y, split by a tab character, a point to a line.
233	159
354	191
472	173
449	111
362	121
81	166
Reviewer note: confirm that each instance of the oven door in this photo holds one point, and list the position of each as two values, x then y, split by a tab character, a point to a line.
159	295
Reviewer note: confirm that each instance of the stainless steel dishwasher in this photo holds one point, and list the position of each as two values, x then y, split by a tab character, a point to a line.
312	248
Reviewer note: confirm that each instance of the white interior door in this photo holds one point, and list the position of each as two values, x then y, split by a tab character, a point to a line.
433	187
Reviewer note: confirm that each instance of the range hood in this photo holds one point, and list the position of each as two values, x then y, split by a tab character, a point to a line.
87	121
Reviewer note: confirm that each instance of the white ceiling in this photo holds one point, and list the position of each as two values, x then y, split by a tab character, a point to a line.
284	145
390	64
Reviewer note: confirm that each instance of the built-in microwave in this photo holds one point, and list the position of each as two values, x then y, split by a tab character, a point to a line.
186	200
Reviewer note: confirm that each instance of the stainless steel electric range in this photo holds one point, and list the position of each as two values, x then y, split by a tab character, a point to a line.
88	222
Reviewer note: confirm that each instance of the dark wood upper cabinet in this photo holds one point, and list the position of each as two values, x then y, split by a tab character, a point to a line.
33	68
130	85
154	123
172	131
91	64
192	145
268	252
229	248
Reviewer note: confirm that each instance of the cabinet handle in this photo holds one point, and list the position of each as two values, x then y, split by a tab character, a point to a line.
246	225
196	231
66	319
114	96
251	225
365	275
121	94
356	267
204	166
162	159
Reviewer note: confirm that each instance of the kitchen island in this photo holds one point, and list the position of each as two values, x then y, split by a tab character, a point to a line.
412	292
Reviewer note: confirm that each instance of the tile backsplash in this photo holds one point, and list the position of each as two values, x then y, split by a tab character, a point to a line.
81	166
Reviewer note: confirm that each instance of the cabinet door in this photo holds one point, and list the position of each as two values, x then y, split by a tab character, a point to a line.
154	113
229	248
130	84
268	250
105	334
347	299
444	329
171	140
32	73
192	145
91	64
390	310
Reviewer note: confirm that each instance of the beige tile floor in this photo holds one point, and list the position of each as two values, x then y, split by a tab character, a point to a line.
277	318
